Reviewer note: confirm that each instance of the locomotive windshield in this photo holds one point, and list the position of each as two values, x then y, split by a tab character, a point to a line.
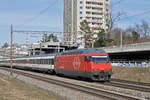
100	59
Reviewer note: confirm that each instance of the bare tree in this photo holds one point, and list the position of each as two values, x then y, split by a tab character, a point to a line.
116	32
143	29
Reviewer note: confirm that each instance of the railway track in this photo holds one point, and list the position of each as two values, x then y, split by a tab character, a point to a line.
139	86
131	82
109	95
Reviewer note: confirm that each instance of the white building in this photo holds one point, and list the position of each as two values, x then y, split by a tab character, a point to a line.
96	12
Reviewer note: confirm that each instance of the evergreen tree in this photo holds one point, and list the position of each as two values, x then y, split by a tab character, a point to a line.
101	39
86	33
135	36
5	45
49	38
53	38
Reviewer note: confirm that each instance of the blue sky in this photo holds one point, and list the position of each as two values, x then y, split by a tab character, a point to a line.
48	15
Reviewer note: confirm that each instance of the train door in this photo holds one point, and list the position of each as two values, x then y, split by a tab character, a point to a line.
27	61
83	64
87	63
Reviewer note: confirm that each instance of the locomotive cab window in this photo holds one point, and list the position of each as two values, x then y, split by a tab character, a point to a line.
100	59
87	58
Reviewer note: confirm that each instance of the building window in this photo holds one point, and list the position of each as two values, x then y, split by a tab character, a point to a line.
81	2
96	13
88	7
94	3
93	23
88	17
88	12
80	17
80	12
81	7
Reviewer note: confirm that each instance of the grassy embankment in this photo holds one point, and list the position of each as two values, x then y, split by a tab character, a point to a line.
12	89
132	73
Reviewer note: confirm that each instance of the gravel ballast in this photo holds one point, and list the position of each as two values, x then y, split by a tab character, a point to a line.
70	94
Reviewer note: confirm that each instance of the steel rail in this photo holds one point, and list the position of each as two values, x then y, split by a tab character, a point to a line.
131	82
129	86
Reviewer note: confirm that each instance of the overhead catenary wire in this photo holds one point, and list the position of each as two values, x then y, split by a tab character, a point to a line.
131	16
119	12
117	3
138	14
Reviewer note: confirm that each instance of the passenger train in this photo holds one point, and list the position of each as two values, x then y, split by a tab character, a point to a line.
89	63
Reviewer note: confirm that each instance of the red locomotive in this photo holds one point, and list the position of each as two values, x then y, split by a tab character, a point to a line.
93	64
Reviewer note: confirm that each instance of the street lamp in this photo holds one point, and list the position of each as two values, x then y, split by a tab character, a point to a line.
94	39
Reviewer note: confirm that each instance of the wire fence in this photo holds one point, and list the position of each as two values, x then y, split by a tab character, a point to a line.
145	63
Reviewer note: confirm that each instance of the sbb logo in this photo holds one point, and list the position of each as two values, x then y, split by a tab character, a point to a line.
76	63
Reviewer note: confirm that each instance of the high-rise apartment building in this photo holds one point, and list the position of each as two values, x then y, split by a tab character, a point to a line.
96	12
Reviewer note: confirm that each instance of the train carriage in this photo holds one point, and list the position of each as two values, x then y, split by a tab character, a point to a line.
41	63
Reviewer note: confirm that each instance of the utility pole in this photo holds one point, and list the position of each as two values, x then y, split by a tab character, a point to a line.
40	48
45	37
58	47
27	40
121	41
92	44
11	51
72	26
